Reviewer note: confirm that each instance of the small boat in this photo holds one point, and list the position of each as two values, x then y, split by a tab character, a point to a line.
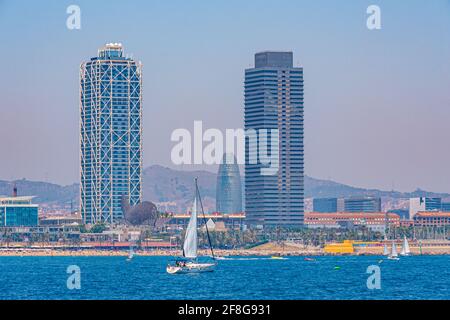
394	254
222	258
190	263
405	248
278	258
309	259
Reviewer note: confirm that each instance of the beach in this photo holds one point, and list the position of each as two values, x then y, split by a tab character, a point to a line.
268	249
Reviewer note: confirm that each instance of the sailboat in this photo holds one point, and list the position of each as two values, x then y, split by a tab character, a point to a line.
190	263
130	254
385	250
405	248
394	254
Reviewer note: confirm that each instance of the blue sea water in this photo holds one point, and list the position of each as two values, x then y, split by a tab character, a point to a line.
416	277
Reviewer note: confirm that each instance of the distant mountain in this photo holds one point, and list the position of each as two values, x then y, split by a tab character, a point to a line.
316	188
161	184
45	192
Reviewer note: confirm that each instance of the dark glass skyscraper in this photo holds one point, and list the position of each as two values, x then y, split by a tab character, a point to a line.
228	190
110	137
274	101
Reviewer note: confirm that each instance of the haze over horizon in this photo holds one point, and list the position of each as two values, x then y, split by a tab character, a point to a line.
376	102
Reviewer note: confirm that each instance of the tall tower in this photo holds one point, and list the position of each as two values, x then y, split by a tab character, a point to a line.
229	189
110	134
274	102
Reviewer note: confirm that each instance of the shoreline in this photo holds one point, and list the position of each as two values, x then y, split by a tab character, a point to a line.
32	252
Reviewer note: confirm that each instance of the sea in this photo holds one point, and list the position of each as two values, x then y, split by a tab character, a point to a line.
235	278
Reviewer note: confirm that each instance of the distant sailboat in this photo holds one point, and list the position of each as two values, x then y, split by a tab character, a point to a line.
405	248
190	263
385	250
394	254
130	254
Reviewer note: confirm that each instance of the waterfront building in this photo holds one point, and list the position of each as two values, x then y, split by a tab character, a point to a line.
229	188
362	204
274	105
422	204
375	221
325	205
110	137
49	233
18	211
432	219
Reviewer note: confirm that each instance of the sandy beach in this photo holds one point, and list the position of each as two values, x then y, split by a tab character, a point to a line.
269	249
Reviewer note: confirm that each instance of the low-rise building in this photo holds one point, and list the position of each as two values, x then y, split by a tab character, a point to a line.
60	220
18	211
432	219
376	221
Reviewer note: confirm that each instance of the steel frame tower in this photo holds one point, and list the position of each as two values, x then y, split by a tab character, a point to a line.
110	134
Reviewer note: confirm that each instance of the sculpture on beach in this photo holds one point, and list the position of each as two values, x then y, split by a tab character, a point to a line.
142	213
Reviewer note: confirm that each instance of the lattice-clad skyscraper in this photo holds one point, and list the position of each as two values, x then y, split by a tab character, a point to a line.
111	134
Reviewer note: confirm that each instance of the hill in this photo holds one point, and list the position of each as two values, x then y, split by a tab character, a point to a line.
161	185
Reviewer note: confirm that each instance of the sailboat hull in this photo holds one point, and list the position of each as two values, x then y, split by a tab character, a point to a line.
191	267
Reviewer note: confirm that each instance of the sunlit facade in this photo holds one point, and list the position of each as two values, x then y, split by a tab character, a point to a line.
110	137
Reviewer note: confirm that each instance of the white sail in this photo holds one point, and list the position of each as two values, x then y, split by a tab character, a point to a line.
394	253
405	247
190	239
385	250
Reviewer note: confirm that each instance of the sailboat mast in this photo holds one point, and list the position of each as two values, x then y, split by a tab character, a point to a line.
204	218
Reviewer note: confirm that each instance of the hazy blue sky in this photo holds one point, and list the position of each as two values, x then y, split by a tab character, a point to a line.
377	103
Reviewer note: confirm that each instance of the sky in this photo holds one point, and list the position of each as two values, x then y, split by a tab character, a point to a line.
377	102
